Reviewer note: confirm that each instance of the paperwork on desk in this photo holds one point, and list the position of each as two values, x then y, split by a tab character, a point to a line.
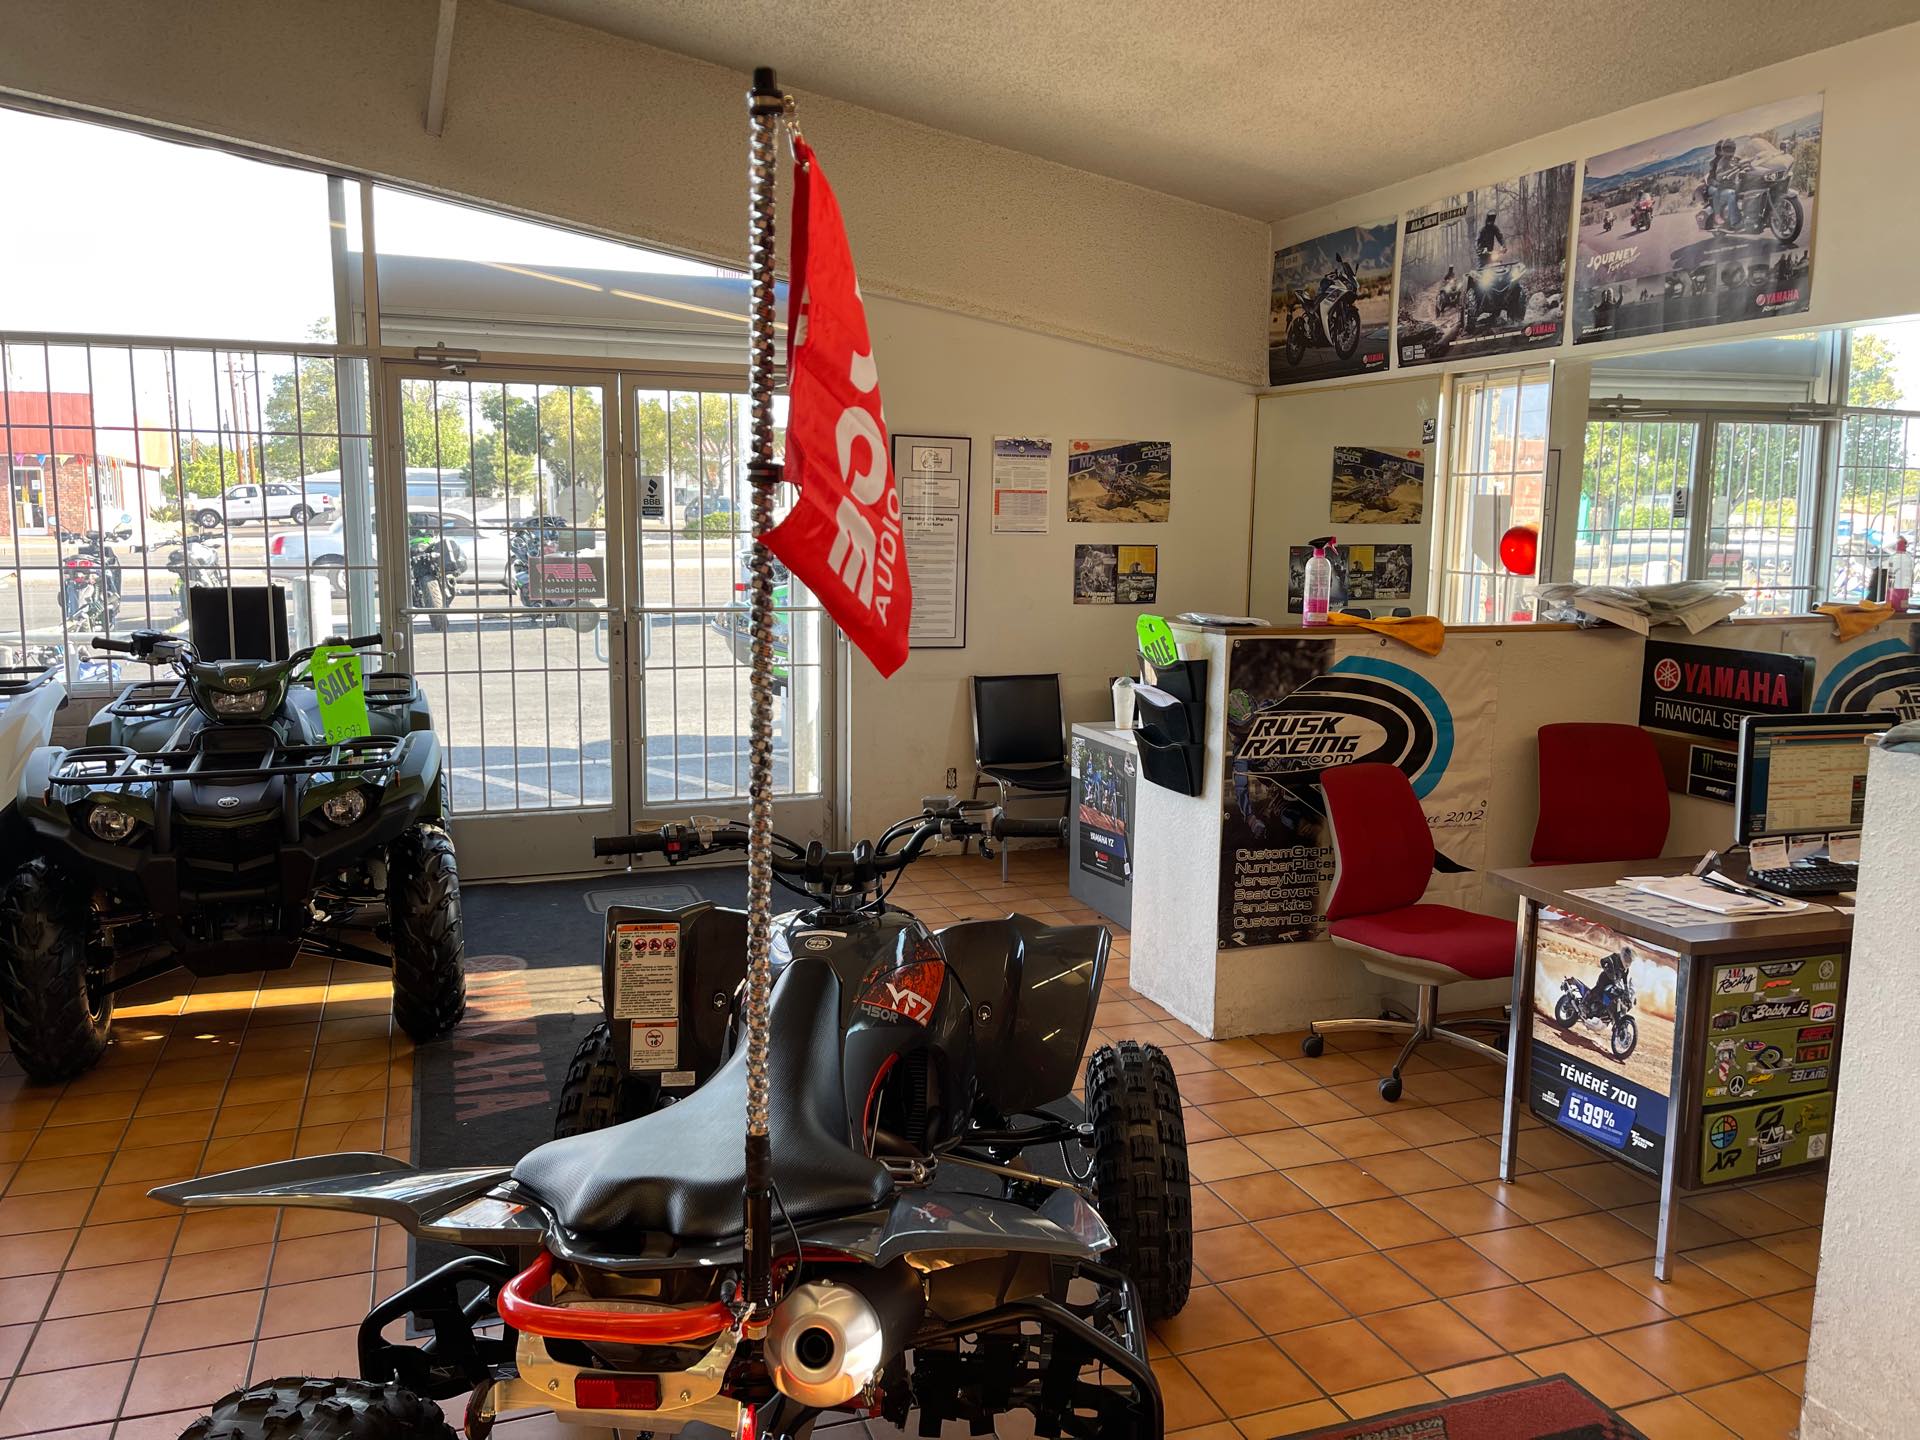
1692	891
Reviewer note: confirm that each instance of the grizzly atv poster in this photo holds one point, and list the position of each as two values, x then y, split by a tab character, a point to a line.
1603	1035
1332	305
1702	226
1485	272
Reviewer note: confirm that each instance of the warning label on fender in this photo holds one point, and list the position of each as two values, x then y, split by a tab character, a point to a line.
646	992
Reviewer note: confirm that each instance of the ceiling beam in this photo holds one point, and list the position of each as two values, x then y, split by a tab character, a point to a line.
442	59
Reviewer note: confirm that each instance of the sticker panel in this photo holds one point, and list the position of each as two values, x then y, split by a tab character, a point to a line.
646	992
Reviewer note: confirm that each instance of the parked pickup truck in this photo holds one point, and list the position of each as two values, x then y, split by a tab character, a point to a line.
272	501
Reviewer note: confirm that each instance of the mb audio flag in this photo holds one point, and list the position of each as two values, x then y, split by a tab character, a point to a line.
842	537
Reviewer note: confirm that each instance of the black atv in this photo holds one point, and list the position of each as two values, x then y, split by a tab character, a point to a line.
208	824
919	1265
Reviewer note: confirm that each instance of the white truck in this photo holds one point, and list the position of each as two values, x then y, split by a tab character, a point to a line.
274	500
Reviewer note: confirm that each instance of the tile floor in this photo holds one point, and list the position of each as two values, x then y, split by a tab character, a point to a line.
1352	1257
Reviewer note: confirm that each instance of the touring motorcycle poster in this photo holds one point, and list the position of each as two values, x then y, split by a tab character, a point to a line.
1702	226
1296	708
1485	272
1332	305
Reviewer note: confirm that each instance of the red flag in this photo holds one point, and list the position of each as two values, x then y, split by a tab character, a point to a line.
843	536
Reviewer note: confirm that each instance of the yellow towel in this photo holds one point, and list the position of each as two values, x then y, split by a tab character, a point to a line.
1424	633
1852	620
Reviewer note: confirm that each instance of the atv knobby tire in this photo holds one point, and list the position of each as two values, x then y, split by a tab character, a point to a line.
590	1098
294	1408
1140	1184
55	1028
429	946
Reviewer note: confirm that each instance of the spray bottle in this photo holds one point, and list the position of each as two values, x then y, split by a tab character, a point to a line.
1318	582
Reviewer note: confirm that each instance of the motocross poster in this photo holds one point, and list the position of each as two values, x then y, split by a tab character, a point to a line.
1119	480
1378	487
1485	272
1298	707
1360	572
1603	1035
1703	226
1332	305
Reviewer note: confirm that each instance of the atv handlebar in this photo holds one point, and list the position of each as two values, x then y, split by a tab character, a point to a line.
124	647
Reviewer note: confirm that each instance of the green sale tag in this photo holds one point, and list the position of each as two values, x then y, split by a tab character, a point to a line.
341	686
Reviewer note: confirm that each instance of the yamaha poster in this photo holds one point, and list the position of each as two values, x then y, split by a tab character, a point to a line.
1602	1045
1485	272
1298	707
1703	226
1107	775
1332	305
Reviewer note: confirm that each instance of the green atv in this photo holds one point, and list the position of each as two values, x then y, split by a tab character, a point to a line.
209	824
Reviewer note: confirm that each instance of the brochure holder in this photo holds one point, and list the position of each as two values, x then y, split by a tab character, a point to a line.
1170	726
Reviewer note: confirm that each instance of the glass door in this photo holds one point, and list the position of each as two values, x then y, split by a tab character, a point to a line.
502	560
688	634
1635	500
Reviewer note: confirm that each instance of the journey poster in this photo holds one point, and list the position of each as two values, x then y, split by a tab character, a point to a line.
1485	272
1296	708
1127	480
1703	226
1332	305
1378	487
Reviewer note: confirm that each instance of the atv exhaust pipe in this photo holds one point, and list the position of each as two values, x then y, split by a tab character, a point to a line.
829	1339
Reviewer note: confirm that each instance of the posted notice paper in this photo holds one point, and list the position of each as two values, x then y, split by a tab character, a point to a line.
1022	484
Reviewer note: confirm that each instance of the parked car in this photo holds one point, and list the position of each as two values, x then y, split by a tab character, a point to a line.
323	554
703	505
427	488
275	500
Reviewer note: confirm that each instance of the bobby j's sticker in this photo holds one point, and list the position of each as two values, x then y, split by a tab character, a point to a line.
646	992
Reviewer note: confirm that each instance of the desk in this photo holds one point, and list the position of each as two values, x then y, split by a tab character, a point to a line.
1729	1070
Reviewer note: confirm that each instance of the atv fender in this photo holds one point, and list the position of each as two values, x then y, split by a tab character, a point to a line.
1033	988
713	963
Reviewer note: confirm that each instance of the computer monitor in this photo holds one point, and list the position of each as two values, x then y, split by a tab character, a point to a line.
1803	775
239	622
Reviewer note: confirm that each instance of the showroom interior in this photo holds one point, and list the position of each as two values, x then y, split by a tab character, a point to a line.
1355	934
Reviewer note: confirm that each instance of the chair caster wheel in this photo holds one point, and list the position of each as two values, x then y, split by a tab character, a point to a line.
1390	1088
1311	1044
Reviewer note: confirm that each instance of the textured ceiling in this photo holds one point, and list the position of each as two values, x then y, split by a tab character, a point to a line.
1265	107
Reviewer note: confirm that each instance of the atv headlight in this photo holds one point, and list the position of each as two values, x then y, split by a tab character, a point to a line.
109	824
246	702
345	808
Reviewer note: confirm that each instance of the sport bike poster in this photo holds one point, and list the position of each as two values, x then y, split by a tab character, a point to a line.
1296	708
1702	226
1332	305
1109	480
1485	272
1603	1035
1378	487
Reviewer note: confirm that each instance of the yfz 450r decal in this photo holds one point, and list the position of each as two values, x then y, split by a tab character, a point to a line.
909	991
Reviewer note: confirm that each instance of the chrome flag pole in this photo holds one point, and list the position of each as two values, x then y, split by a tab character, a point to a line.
766	104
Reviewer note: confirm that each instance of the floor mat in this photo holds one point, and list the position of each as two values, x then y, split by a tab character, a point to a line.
1552	1409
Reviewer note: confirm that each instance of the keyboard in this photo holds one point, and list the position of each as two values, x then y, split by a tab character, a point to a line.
1808	877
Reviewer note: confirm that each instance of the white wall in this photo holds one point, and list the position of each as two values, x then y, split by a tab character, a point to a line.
561	121
1861	1380
947	374
1861	270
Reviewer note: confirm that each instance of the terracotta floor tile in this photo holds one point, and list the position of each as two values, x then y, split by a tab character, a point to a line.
1472	1160
1314	1107
1208	1319
1793	1377
1357	1138
1795	1305
319	1352
36	1404
1516	1318
86	1340
1747	1213
1527	1253
1340	1183
35	1254
165	1426
216	1272
186	1378
1290	1420
1494	1374
106	1287
128	1241
1749	1268
1212	1087
1755	1408
1679	1356
1343	1356
1604	1240
1234	1251
114	1203
155	1164
1182	1399
1675	1418
1598	1301
214	1320
1262	1196
99	1138
168	1129
74	1172
1802	1196
1464	1210
1689	1290
1607	1184
1796	1247
1250	1377
1222	1160
14	1340
1291	1149
1755	1333
1283	1300
1422	1125
1365	1283
1690	1231
1229	1053
1209	1211
1612	1378
1431	1336
1276	1077
1250	1116
1482	1117
1450	1267
1408	1172
238	1228
1388	1223
87	1109
1537	1197
1310	1236
1383	1399
24	1214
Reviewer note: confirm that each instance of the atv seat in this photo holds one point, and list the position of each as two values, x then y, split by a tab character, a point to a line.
681	1170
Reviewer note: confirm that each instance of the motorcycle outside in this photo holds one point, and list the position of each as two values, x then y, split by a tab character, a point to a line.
1341	328
90	585
1600	1010
430	579
919	1265
194	563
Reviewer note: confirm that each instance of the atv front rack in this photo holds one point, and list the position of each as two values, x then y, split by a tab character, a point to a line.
17	680
145	699
103	766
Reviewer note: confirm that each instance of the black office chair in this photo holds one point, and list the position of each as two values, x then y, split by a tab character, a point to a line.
1019	739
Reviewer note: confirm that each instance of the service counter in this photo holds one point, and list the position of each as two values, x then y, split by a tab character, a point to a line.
1229	883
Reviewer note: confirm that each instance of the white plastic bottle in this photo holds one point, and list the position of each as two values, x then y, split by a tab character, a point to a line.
1318	582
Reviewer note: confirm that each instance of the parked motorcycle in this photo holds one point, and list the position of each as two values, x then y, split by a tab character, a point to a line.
1305	329
917	1268
430	570
1496	292
1764	200
90	584
195	562
1604	1007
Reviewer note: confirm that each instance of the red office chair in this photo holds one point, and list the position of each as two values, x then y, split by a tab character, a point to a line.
1603	795
1383	858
